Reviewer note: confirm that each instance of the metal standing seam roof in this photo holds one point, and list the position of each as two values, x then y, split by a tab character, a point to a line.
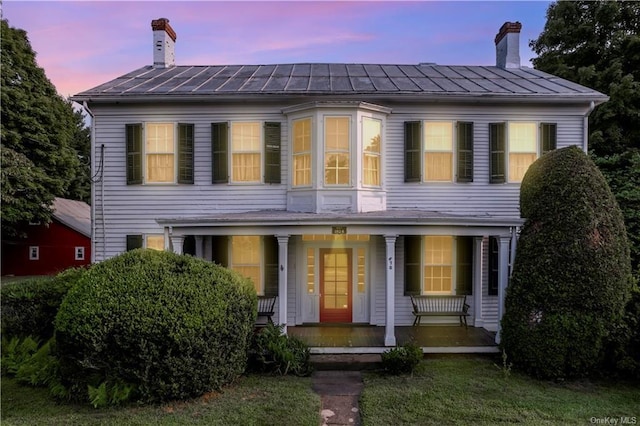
74	214
428	80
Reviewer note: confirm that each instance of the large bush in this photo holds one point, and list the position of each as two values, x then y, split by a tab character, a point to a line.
572	274
170	326
29	307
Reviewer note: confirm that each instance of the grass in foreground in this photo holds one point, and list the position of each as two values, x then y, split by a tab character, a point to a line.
252	400
478	391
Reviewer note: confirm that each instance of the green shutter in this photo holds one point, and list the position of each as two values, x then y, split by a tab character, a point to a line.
412	151
185	153
497	158
464	265
134	153
134	242
465	152
220	246
271	273
272	152
548	136
219	152
493	266
412	256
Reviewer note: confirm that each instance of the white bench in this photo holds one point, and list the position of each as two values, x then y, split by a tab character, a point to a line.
436	306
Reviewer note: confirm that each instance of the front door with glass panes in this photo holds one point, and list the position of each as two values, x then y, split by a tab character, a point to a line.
335	285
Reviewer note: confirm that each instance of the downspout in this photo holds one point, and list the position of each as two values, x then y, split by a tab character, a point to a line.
93	194
585	128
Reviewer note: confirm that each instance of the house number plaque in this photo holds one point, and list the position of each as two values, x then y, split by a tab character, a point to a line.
339	230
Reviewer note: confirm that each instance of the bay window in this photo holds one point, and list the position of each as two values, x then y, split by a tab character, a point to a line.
337	157
302	152
371	151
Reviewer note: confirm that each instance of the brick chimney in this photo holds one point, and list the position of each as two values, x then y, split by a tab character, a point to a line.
164	41
508	45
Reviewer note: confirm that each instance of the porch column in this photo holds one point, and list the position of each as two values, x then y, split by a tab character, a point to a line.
503	277
176	242
283	254
477	282
167	238
199	246
389	330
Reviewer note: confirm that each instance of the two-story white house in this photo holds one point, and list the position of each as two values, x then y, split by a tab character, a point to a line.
340	188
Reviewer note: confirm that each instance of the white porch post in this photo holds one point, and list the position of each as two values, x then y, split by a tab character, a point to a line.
389	330
283	254
167	238
176	242
477	282
503	278
199	246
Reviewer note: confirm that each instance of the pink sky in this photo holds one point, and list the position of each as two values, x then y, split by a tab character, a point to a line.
83	44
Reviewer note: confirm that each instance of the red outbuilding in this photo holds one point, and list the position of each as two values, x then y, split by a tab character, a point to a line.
51	248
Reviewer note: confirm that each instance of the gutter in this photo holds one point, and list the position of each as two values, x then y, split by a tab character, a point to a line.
93	194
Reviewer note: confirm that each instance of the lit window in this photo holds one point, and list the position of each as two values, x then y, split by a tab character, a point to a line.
245	258
79	253
34	253
336	151
311	274
160	153
246	165
361	271
302	152
522	149
371	141
438	264
155	242
438	151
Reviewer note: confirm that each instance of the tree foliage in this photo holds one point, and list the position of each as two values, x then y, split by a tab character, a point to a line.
597	44
572	273
43	138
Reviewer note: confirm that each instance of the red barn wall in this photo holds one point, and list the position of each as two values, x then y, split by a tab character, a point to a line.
57	244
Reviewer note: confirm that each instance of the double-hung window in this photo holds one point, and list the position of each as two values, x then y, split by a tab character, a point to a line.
245	152
371	152
438	264
159	153
252	256
514	146
302	152
337	152
438	151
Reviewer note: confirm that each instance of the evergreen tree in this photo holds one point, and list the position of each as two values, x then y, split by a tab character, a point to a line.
572	273
597	44
41	135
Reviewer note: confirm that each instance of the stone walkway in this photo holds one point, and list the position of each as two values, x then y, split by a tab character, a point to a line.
339	392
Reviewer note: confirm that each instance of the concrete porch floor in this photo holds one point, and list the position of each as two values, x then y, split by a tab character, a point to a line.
363	339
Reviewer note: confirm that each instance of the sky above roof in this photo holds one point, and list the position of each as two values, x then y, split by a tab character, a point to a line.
83	44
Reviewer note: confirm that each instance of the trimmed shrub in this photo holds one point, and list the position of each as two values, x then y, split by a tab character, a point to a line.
274	352
168	326
572	273
29	307
623	345
402	359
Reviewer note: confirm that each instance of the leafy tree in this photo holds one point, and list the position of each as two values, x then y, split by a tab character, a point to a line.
41	135
597	44
572	272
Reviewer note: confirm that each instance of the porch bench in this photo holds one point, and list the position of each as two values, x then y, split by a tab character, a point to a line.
435	306
266	305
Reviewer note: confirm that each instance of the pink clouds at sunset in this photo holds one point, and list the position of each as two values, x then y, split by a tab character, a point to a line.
83	44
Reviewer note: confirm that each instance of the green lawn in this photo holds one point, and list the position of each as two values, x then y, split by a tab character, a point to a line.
252	400
475	391
451	390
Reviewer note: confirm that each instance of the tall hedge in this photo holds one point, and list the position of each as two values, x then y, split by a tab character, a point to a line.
572	272
169	326
29	307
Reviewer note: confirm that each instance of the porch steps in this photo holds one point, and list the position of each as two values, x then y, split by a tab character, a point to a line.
345	362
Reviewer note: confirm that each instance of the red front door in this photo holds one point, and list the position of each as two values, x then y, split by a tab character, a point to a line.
335	285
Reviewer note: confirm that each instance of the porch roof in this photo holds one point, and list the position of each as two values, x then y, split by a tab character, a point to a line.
393	217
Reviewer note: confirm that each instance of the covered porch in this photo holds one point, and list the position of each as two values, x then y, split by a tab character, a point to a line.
363	339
